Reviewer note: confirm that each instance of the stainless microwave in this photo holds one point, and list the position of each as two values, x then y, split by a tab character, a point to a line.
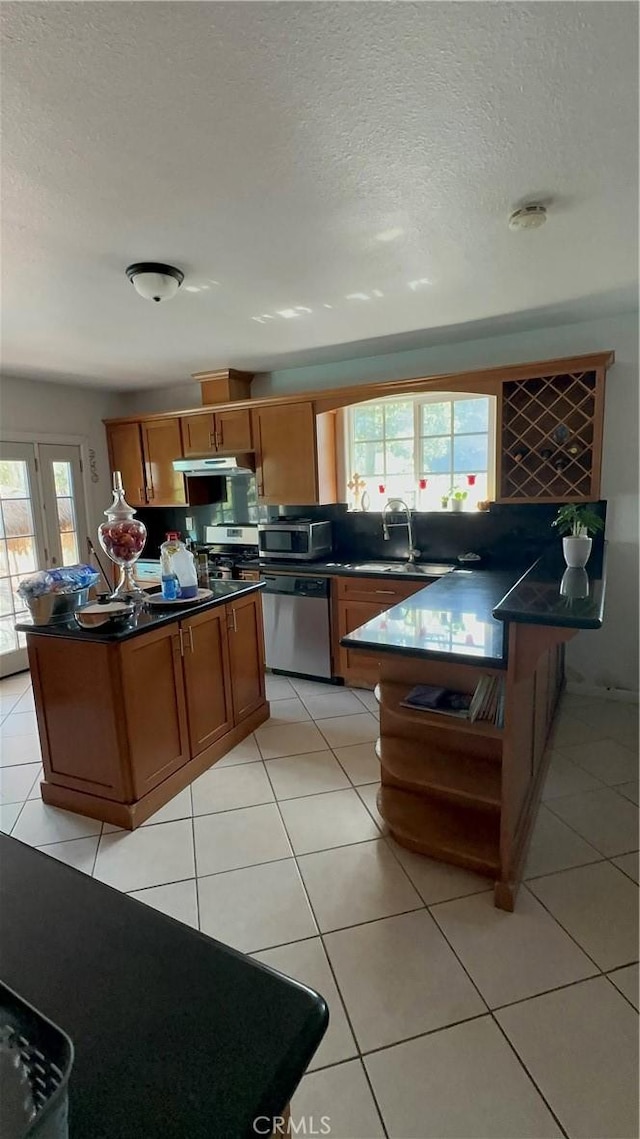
294	541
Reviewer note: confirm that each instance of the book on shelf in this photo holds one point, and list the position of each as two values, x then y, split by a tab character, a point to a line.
428	698
485	704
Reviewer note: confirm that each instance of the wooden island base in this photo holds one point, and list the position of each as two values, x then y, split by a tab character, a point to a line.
468	793
126	723
131	815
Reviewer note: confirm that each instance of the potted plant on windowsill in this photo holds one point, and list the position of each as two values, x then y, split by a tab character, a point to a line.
577	523
457	497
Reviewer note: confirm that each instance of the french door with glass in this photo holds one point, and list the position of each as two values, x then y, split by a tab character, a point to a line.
42	525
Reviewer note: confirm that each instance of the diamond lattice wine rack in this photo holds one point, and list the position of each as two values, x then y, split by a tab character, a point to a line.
551	437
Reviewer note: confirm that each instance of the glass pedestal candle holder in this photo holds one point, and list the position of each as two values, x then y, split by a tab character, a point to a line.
122	538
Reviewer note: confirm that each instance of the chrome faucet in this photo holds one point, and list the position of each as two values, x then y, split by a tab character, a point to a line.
395	506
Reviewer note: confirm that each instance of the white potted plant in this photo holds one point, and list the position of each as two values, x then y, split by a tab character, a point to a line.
577	523
457	497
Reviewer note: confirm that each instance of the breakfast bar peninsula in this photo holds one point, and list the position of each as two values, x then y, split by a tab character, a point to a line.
456	788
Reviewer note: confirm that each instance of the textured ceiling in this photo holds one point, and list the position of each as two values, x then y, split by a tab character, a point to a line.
354	163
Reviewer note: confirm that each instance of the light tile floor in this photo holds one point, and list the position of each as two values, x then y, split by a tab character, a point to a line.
449	1019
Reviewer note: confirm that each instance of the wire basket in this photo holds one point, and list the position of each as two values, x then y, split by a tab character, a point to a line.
35	1063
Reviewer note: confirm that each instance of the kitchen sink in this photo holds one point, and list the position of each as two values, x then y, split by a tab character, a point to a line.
427	568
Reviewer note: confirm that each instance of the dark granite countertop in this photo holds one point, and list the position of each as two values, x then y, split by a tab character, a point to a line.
462	616
450	620
175	1034
146	618
551	594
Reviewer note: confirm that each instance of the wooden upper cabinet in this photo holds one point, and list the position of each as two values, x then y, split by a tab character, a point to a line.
295	457
124	442
154	707
222	433
207	676
233	431
246	654
198	435
161	444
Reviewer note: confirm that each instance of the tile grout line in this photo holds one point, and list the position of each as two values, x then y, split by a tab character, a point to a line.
559	923
619	991
530	1076
594	791
335	979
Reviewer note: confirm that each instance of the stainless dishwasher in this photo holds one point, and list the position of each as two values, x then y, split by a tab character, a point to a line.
297	629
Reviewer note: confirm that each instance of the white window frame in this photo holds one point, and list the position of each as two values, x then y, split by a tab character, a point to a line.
419	399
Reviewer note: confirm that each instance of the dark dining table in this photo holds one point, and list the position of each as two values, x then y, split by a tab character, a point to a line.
175	1034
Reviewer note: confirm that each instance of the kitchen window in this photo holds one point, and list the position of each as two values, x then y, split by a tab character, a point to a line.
420	449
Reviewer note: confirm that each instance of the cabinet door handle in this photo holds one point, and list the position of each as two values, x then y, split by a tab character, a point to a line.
235	623
388	592
220	430
212	441
190	638
180	634
141	494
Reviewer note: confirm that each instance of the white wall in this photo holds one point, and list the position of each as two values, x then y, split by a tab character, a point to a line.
29	408
149	400
607	658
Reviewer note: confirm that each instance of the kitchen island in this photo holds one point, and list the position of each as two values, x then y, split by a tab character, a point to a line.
130	716
466	791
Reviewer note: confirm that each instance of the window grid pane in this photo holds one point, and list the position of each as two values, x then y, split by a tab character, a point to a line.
452	442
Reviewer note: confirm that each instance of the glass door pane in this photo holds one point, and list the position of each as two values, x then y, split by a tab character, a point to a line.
64	503
21	545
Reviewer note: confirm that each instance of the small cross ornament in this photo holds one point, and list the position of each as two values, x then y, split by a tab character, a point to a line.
357	485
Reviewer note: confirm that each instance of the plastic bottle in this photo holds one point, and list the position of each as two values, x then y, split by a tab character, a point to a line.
181	563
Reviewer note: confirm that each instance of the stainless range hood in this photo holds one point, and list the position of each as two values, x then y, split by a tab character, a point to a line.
225	466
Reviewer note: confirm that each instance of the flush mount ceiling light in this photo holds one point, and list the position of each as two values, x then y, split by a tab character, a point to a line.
154	281
528	217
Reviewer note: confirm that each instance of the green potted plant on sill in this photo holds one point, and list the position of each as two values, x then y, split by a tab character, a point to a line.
457	496
577	524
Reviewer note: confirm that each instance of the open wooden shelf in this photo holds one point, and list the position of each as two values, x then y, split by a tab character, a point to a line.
467	780
463	836
390	695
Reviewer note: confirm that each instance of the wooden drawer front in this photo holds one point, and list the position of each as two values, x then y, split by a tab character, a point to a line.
381	590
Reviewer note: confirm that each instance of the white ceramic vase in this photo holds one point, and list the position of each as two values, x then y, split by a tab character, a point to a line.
457	505
576	551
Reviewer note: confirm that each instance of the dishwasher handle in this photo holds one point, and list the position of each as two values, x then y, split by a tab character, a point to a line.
294	586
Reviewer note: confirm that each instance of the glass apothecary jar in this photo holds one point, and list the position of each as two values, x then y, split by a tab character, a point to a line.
122	538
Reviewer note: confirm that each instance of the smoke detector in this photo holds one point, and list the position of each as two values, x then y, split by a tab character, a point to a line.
154	281
528	217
